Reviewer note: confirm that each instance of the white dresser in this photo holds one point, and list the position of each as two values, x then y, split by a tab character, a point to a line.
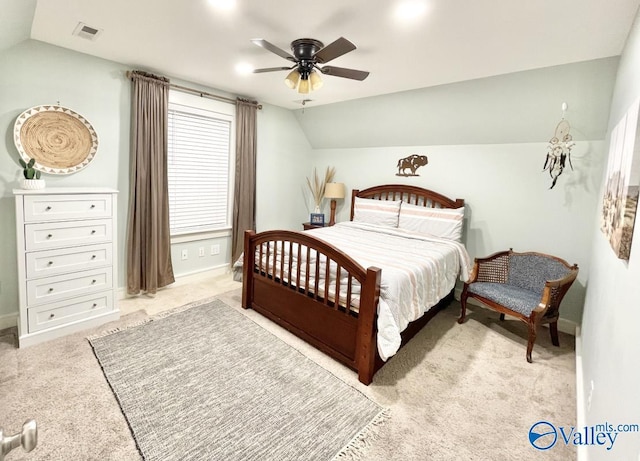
66	241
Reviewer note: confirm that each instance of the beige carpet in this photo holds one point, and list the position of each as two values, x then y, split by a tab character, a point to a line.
456	392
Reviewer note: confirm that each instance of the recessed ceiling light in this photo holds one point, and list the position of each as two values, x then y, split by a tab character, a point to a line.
244	68
225	5
410	10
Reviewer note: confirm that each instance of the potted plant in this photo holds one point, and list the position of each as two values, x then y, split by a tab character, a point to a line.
31	178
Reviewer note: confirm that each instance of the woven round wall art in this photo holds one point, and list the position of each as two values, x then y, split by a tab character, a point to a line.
60	140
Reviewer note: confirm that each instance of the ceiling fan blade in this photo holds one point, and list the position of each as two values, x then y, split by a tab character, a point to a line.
334	50
344	72
274	49
270	69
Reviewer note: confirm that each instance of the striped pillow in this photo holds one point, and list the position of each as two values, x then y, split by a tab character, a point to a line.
439	222
379	212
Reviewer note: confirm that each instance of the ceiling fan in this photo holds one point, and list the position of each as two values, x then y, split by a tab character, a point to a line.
307	54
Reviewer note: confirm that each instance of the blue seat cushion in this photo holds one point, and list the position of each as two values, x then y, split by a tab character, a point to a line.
512	297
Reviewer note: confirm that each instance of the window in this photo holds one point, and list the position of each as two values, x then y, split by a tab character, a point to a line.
199	164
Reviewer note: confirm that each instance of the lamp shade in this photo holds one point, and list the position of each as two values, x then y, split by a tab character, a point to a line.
334	190
316	81
291	80
304	87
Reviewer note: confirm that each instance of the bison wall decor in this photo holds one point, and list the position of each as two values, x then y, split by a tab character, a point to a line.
411	163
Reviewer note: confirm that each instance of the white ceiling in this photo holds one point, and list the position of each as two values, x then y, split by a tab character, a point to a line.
454	40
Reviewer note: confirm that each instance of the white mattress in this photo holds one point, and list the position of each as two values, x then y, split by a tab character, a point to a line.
417	272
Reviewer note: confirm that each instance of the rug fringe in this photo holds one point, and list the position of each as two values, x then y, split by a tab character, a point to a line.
355	449
161	315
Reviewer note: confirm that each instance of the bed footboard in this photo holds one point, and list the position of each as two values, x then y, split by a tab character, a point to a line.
316	292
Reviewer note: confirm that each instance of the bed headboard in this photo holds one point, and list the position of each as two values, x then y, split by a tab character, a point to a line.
411	194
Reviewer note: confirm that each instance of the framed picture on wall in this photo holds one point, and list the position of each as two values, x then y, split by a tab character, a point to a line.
317	219
620	200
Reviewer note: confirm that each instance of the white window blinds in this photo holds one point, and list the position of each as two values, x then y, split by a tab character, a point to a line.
198	170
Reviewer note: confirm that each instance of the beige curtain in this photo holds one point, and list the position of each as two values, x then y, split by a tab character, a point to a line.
244	197
148	237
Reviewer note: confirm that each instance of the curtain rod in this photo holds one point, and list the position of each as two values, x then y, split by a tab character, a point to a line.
200	93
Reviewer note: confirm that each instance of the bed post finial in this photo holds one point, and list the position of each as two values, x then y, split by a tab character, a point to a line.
354	194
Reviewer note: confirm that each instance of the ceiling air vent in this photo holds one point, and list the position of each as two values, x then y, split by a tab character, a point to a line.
85	31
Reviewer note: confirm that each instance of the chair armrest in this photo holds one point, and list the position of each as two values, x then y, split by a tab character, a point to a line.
554	291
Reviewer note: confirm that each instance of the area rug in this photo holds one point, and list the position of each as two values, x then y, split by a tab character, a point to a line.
207	383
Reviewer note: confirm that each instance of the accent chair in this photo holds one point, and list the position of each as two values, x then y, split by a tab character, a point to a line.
528	286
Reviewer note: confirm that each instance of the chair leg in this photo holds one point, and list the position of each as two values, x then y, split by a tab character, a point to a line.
553	329
463	304
533	331
501	316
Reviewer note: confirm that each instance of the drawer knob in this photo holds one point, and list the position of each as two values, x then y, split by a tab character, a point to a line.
47	208
50	290
92	206
94	306
50	263
52	316
93	256
49	236
94	281
93	232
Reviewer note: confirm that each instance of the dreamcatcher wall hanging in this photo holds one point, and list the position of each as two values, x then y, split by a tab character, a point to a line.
559	149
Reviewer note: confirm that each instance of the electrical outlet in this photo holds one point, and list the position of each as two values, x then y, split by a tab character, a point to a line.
185	254
215	249
201	252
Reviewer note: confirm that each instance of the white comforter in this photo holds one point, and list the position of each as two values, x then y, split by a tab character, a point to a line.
417	271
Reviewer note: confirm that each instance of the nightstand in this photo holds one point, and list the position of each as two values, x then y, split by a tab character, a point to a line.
308	225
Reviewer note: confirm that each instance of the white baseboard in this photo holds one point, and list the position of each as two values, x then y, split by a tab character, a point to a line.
582	453
564	325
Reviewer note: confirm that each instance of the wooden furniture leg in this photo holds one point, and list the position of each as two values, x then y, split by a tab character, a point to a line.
553	328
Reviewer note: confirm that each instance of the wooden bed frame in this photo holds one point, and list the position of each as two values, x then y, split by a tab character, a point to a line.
314	313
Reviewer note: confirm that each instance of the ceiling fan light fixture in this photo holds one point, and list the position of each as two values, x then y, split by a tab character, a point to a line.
292	79
304	87
307	53
315	80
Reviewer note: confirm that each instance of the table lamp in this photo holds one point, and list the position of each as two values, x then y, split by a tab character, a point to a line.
333	190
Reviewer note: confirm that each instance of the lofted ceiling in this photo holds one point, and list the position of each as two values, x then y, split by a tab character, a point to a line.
445	41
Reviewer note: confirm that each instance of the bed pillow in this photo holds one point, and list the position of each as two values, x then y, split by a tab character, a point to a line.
439	222
379	212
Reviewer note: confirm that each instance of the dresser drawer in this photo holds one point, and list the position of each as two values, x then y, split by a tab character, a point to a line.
39	208
53	235
63	313
52	262
58	287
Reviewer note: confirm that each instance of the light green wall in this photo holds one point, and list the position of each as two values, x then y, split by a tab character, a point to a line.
283	162
35	73
611	343
511	108
507	197
486	141
15	21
